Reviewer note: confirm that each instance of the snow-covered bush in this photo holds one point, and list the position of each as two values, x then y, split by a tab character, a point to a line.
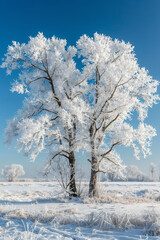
13	171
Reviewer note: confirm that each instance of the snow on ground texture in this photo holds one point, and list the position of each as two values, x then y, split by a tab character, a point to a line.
39	211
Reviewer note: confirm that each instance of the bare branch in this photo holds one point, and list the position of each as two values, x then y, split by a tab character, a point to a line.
112	94
63	155
34	80
98	77
112	161
89	161
97	129
116	58
53	119
100	171
80	82
31	64
113	145
105	127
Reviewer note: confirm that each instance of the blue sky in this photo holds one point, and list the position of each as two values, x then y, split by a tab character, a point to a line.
136	21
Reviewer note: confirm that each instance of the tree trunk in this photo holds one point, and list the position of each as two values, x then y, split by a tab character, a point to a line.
72	184
93	189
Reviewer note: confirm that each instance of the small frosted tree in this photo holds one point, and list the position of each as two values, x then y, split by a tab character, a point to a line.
153	168
12	172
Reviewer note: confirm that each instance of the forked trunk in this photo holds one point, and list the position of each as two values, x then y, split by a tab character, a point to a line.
72	184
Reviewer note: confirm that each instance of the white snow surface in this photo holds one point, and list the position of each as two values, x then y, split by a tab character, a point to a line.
39	210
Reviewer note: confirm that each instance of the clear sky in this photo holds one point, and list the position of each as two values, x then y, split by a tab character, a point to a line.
136	21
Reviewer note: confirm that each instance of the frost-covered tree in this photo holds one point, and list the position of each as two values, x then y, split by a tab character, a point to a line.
153	168
115	88
12	172
48	120
113	175
67	109
134	174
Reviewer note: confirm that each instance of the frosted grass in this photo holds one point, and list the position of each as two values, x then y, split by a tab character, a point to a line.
124	211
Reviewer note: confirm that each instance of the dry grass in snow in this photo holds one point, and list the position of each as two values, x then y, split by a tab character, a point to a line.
123	212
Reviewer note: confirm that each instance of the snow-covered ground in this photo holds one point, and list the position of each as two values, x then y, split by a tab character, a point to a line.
37	211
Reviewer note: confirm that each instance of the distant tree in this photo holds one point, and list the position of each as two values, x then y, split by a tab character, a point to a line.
113	173
13	171
110	176
134	174
116	176
153	168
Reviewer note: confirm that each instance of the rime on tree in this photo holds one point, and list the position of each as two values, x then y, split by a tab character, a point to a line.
67	109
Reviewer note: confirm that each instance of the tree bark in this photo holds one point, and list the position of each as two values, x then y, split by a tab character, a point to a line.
72	184
93	189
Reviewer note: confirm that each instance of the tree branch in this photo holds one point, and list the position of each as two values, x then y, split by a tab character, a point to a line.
105	127
113	145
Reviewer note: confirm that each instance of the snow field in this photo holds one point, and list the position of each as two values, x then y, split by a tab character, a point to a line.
37	211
